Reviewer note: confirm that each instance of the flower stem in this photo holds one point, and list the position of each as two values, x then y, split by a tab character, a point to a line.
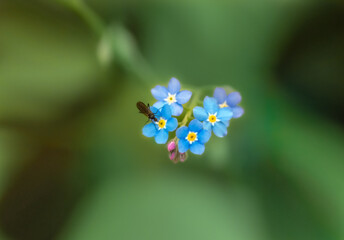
120	41
193	103
87	14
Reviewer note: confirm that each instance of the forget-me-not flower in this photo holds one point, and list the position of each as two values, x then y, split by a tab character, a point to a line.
231	100
213	117
193	137
171	96
165	124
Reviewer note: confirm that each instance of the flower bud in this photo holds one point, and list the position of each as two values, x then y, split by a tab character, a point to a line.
183	157
172	155
171	146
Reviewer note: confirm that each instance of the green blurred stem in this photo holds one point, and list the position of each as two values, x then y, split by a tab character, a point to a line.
124	49
120	40
193	103
86	13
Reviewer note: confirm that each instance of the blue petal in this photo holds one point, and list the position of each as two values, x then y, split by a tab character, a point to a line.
159	93
226	123
154	110
195	125
220	95
183	145
200	113
177	109
182	132
158	105
149	130
220	129
166	111
171	124
237	112
197	148
183	96
204	136
210	105
233	99
161	137
173	86
207	125
224	114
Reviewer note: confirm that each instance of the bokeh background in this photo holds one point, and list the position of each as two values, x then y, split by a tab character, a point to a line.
74	164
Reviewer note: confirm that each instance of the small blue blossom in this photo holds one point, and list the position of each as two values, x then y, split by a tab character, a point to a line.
231	100
160	129
171	96
193	137
213	117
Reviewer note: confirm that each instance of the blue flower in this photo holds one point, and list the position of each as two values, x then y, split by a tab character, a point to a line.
231	100
160	129
213	117
171	96
193	137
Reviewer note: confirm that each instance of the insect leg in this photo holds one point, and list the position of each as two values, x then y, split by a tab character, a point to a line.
151	121
158	109
146	121
154	124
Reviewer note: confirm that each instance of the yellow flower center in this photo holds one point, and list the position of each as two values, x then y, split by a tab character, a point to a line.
191	137
161	123
171	98
212	118
224	104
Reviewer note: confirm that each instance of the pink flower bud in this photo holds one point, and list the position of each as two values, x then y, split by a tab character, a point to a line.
172	155
183	157
171	146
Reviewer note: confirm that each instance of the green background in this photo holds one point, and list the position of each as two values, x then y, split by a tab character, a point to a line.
74	164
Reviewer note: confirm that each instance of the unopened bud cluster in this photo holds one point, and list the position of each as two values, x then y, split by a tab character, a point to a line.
173	153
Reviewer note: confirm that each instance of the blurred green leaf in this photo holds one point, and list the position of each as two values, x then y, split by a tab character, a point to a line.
310	150
48	60
166	205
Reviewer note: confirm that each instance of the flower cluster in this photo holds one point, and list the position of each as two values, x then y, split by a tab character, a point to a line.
193	132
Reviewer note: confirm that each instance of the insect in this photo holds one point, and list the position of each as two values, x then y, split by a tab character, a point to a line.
145	110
